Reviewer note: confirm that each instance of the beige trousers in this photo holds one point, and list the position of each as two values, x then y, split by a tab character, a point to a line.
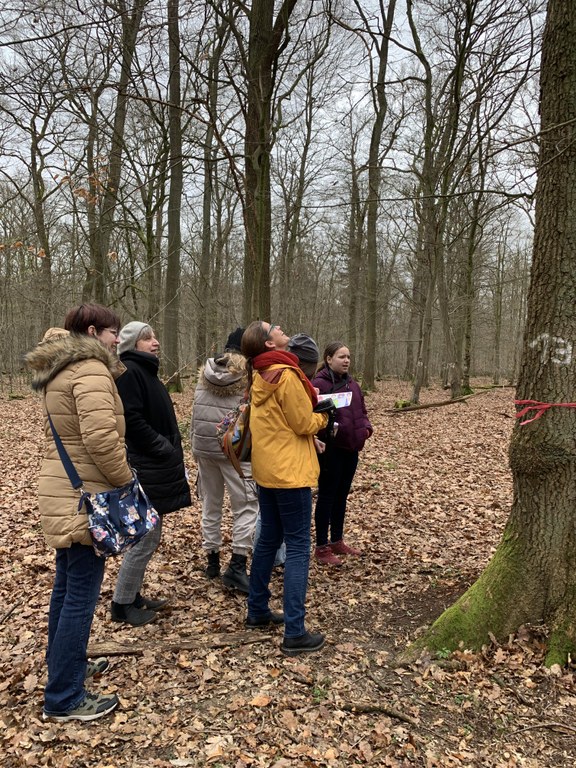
214	476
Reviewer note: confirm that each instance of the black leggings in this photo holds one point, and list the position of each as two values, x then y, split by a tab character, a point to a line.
337	468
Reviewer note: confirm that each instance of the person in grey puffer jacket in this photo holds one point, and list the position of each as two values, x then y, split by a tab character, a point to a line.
221	386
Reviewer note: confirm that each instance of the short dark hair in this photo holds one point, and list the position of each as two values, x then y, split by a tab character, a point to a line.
80	318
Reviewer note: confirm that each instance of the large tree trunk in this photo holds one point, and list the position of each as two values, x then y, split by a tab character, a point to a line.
532	576
266	41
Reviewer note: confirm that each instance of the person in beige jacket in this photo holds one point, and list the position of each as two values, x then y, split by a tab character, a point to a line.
221	386
74	368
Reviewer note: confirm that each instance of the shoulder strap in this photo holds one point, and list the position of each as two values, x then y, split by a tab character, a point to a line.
65	458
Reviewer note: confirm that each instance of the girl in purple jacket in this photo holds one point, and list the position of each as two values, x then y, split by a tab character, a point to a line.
338	463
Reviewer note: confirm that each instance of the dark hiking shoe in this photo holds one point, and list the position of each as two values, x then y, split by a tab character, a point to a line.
91	707
213	568
152	605
306	643
266	620
129	614
235	576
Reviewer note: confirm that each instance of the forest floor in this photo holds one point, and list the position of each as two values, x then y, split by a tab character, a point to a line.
429	503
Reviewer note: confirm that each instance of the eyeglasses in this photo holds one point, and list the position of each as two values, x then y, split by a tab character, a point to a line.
270	331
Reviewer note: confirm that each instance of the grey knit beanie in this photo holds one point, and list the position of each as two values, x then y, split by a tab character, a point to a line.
307	352
130	334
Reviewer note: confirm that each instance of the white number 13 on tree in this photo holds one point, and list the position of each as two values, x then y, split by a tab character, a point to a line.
553	349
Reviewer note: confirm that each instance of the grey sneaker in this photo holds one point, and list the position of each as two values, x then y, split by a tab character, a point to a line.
91	707
97	667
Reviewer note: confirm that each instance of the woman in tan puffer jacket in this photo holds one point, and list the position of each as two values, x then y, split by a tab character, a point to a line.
74	369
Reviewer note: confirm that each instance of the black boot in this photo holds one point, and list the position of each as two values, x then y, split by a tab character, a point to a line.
213	567
146	602
130	614
235	576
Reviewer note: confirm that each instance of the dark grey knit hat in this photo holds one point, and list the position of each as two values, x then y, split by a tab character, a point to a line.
307	352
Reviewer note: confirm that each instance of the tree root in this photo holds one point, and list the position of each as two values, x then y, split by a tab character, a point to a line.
562	639
493	607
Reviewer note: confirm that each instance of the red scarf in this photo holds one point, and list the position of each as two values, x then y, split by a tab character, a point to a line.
286	359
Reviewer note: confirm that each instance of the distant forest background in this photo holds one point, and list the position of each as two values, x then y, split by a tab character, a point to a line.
354	169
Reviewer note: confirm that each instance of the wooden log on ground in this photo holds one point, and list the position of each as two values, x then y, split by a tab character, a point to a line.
440	403
132	647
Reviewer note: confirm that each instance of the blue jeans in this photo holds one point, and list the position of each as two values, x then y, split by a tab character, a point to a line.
280	558
79	574
286	515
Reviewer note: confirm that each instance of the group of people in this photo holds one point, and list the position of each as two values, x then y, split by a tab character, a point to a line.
102	392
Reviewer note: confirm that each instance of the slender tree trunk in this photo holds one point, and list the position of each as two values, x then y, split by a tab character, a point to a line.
130	29
155	233
42	231
374	174
498	298
417	307
172	302
519	314
453	363
355	230
294	213
421	373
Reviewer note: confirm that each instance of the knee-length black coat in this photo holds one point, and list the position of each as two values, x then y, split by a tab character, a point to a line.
152	433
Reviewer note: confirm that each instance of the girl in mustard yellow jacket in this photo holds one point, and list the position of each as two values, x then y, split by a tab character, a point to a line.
284	466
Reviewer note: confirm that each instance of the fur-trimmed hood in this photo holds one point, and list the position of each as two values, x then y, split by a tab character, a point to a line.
55	353
221	386
224	376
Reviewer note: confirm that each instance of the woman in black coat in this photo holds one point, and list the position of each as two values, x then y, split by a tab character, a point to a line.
155	452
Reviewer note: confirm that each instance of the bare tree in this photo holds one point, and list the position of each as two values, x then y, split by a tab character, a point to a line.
172	300
131	19
490	57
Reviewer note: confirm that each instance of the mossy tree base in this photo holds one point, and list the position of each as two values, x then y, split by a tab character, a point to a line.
511	592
